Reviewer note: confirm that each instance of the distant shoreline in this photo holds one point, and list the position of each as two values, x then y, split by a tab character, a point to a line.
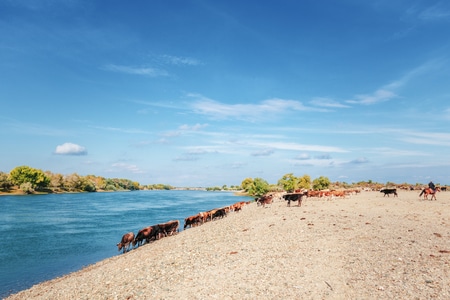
18	192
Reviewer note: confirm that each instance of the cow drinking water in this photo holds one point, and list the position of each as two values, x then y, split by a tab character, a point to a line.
126	241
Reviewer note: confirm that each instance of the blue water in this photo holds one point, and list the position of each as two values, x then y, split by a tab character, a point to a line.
46	236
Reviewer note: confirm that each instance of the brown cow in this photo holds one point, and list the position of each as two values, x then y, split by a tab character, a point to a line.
219	213
237	206
148	233
169	228
192	221
126	241
264	200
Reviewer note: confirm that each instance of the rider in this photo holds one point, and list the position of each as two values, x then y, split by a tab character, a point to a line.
432	186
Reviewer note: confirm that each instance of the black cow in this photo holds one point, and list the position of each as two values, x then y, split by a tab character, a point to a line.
294	197
389	191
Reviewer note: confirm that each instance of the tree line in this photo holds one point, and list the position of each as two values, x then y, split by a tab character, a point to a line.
290	183
30	180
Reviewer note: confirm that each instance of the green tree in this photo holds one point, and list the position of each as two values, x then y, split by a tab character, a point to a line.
247	184
259	188
289	182
304	182
72	182
321	183
5	182
86	185
56	180
25	174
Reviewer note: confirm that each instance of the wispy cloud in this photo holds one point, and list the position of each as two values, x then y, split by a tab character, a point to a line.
120	166
263	152
323	156
388	92
428	139
358	161
302	156
70	149
436	12
186	157
123	130
144	71
200	151
327	102
429	66
300	147
246	111
177	60
184	129
380	95
193	127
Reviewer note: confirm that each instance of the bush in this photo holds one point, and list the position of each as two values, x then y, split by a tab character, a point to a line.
27	188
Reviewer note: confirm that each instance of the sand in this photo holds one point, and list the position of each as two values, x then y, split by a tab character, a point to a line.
364	246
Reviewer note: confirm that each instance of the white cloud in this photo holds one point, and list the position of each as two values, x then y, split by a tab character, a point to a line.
193	127
70	149
327	102
246	111
145	71
360	160
264	152
126	167
387	92
303	156
435	13
176	60
380	95
301	147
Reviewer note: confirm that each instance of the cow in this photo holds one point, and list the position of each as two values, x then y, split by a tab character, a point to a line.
148	233
169	228
294	197
203	217
192	221
237	206
219	213
388	192
125	242
264	200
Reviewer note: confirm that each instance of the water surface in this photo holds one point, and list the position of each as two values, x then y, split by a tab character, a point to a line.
46	236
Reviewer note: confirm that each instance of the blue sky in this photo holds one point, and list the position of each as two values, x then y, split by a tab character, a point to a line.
205	93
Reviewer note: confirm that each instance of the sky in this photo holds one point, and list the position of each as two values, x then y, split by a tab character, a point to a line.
209	93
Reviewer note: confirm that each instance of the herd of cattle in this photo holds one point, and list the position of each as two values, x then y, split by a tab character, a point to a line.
158	231
155	232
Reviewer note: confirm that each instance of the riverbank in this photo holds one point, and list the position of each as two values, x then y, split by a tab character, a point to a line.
362	247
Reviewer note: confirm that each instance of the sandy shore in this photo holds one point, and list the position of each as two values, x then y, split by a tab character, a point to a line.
365	246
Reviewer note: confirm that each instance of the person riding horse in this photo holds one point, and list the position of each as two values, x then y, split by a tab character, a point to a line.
432	186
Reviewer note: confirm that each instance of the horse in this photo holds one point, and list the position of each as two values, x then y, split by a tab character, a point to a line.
428	191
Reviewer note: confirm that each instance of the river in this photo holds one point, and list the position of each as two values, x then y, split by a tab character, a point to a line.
46	236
